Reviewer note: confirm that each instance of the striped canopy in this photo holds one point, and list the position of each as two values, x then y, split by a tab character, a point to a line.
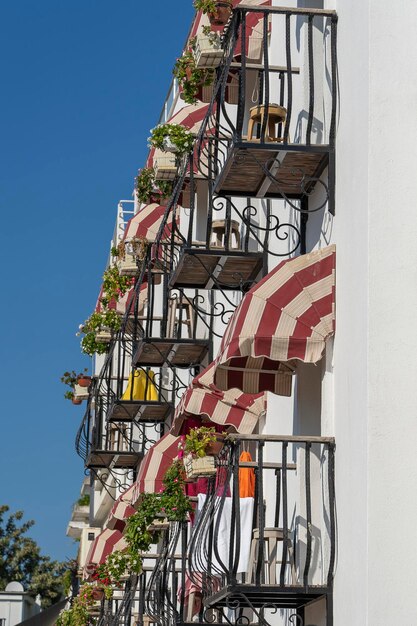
254	31
154	465
146	223
228	408
125	302
121	510
190	116
107	542
286	317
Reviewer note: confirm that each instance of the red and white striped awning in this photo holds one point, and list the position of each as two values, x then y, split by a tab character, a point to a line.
191	117
254	23
124	302
228	408
146	223
286	317
154	465
107	542
121	510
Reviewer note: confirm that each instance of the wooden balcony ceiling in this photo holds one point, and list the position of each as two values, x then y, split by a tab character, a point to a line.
211	269
176	352
243	174
105	458
140	411
272	595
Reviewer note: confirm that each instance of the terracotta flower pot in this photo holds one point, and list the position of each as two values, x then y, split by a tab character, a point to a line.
76	401
98	594
213	449
220	16
84	381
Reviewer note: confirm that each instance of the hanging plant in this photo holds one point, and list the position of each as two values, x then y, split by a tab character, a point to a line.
114	285
190	77
148	189
218	11
171	138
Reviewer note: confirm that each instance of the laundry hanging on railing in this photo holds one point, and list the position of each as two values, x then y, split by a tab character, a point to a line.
141	386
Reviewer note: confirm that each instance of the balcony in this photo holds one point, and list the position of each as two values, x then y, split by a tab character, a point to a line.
110	445
224	244
174	330
258	555
280	138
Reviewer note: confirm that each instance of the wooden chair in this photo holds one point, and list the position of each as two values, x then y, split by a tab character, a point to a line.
218	229
180	313
276	115
271	538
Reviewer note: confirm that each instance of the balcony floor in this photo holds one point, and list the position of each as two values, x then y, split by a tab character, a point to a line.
208	269
139	411
104	459
177	352
242	173
288	597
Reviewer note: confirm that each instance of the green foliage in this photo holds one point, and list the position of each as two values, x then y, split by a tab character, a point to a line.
175	504
180	137
198	439
117	565
21	560
207	6
115	285
190	77
84	500
78	613
137	532
146	185
71	378
90	346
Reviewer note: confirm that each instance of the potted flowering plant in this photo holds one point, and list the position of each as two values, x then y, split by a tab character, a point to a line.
207	48
130	254
218	12
98	331
78	614
191	78
138	533
79	384
171	138
114	285
199	450
117	567
149	190
175	504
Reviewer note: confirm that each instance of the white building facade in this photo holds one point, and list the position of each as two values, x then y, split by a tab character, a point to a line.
302	140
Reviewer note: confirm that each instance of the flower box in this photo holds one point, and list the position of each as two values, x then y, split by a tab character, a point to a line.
199	466
104	335
128	266
159	524
208	51
80	393
165	167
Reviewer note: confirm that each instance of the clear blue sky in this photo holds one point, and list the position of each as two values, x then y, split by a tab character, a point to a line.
82	82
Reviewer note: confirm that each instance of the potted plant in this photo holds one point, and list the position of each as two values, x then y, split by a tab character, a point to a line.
78	383
218	12
138	533
114	285
171	138
101	325
191	79
199	452
175	504
130	254
78	614
207	48
148	190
